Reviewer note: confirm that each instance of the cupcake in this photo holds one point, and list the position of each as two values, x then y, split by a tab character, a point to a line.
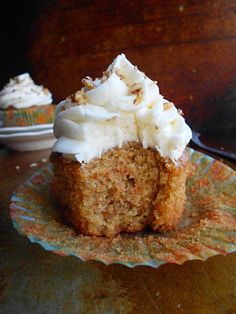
120	162
22	103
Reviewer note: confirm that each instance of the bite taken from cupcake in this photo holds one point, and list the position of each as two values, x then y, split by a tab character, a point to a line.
120	161
23	103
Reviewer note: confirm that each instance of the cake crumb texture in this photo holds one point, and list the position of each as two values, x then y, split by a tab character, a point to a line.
125	190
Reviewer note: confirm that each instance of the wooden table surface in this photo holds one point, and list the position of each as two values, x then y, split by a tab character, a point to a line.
36	281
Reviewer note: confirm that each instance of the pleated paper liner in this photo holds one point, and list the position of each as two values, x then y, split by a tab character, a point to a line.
208	227
34	115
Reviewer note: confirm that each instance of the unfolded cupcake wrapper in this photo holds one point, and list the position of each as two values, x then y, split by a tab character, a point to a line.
27	116
207	228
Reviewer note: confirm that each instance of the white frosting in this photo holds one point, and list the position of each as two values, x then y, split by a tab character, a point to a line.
122	106
21	92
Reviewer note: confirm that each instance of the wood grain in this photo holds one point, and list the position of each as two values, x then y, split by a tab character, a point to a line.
187	46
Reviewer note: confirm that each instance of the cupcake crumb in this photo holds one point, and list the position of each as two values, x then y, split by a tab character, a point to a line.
17	168
180	112
34	164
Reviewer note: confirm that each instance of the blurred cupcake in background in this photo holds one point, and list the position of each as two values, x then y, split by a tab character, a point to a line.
23	103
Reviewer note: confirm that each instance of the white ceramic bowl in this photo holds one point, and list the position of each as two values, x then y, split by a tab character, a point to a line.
30	128
29	141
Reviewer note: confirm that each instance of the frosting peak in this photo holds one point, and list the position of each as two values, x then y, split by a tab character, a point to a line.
21	92
123	105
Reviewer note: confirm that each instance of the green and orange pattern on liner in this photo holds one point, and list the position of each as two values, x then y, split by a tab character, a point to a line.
208	227
27	116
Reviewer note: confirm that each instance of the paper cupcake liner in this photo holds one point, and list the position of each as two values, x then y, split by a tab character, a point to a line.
207	228
27	116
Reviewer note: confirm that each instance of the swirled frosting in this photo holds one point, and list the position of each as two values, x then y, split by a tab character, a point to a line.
124	105
21	92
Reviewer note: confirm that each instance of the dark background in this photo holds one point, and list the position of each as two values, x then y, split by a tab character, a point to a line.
187	46
16	18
